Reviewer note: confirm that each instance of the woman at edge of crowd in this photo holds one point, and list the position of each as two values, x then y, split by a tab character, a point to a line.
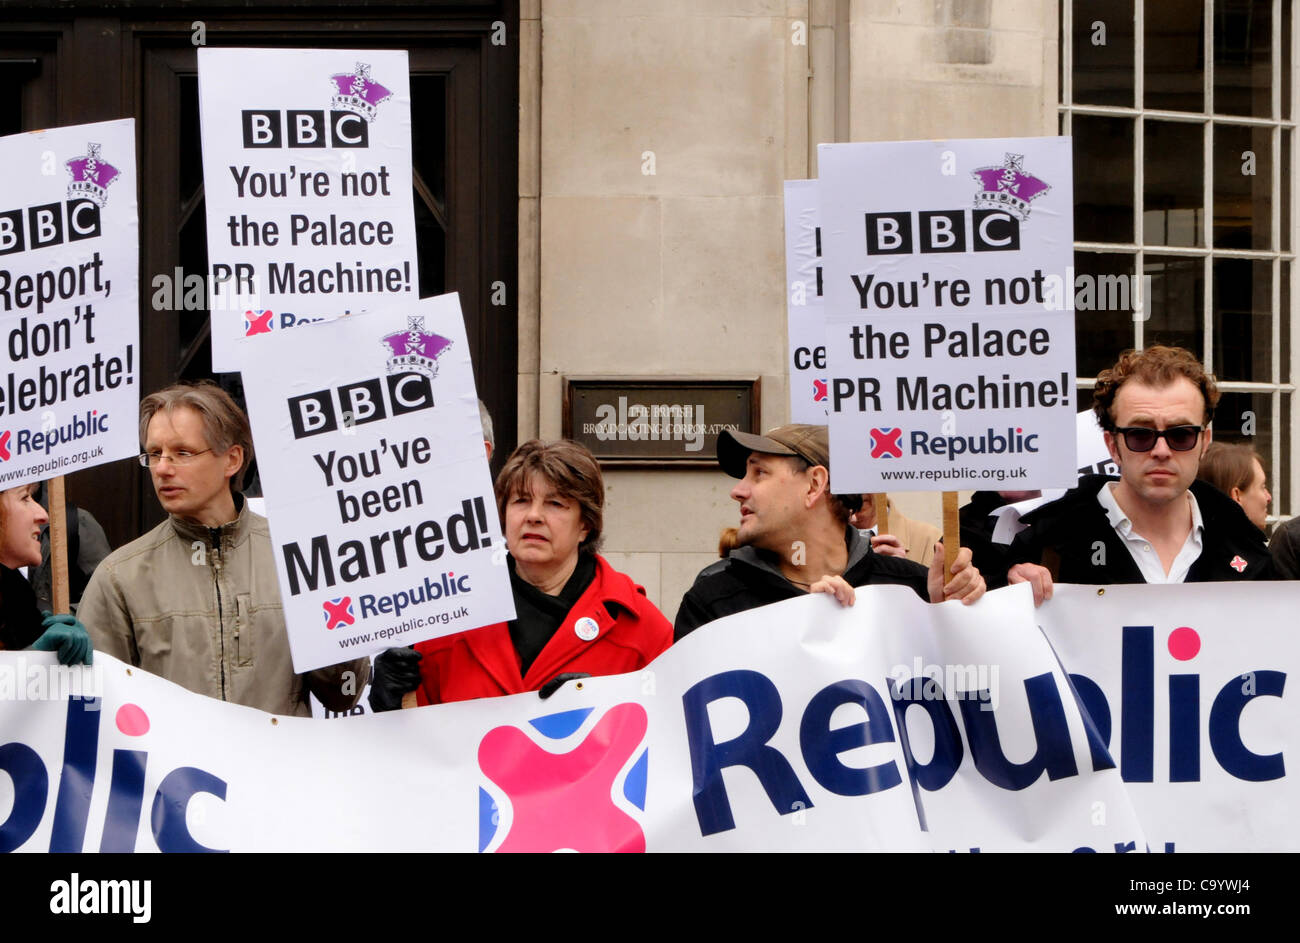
22	625
1236	470
576	616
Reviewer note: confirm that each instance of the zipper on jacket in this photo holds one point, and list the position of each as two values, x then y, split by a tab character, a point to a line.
216	579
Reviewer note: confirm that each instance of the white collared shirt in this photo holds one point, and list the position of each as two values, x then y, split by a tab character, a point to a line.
1144	555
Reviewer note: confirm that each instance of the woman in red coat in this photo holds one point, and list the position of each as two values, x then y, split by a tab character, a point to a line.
576	616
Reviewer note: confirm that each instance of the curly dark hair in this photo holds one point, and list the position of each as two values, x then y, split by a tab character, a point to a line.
1155	366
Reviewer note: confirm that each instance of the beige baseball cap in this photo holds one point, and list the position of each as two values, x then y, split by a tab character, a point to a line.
811	443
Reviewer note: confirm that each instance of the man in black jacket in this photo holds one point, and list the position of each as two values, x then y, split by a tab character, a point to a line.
979	524
1155	523
795	536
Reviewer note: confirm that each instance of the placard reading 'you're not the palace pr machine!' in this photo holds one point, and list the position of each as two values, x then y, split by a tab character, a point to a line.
947	272
307	183
805	317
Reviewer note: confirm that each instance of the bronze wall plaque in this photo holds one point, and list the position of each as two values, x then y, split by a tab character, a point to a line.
657	421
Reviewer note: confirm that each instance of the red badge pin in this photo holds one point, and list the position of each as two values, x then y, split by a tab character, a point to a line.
1237	564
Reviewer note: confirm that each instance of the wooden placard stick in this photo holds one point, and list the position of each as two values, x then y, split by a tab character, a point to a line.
58	546
880	501
951	533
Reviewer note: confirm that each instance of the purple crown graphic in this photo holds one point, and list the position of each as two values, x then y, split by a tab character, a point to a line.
415	349
1008	187
358	92
91	176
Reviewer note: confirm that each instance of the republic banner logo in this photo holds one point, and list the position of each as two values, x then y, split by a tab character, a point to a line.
885	443
575	800
338	612
258	322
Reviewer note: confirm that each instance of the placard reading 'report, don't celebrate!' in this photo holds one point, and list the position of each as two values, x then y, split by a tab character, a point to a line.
69	306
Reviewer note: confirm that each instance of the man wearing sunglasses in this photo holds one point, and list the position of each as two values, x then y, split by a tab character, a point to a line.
1156	523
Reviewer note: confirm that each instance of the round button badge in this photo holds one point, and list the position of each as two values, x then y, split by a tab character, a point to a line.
586	628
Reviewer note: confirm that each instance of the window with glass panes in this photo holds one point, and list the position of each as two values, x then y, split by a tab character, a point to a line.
1183	140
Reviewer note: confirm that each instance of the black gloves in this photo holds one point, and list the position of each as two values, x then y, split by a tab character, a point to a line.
396	672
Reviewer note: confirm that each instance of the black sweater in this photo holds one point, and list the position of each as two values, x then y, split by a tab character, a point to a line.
20	620
1074	539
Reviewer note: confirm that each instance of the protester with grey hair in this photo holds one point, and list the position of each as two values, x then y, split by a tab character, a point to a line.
196	600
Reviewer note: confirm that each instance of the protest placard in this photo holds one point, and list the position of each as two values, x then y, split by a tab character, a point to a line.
1093	456
307	183
69	309
948	304
377	489
805	322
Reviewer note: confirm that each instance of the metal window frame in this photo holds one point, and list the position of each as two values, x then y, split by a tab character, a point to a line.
1278	124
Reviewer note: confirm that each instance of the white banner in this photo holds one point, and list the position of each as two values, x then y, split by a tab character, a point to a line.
801	726
805	320
948	302
69	300
1186	684
307	183
778	729
378	493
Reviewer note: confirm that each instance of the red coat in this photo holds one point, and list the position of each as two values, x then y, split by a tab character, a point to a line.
483	662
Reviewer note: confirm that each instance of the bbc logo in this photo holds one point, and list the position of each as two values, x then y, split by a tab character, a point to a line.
942	231
359	403
50	224
272	128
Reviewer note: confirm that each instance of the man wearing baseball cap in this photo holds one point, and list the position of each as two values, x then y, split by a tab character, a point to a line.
795	536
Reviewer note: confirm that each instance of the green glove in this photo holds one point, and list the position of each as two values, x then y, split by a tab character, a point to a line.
65	635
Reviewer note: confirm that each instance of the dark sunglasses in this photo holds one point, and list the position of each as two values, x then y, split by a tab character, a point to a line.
1141	439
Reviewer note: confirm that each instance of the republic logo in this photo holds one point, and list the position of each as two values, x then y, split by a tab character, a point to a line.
258	322
575	800
885	444
338	612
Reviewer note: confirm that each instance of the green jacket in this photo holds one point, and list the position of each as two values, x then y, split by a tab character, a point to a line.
201	607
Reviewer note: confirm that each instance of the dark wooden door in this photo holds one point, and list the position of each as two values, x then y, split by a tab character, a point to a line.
76	65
